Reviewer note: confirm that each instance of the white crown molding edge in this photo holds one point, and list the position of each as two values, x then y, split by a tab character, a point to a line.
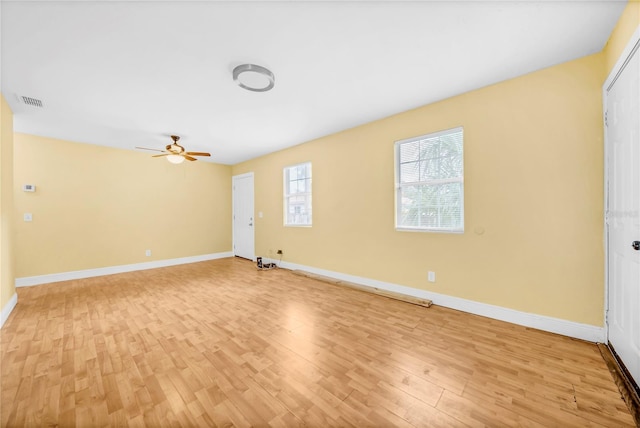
573	329
110	270
6	311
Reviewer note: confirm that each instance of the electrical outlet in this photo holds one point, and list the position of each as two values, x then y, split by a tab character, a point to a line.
431	276
279	252
147	253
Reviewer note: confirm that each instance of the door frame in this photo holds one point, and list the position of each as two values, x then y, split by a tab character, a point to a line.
234	179
625	56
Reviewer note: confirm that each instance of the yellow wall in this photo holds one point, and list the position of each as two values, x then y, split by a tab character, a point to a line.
97	207
533	236
624	29
7	288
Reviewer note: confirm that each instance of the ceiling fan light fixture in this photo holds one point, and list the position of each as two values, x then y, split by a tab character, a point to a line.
254	78
175	159
175	153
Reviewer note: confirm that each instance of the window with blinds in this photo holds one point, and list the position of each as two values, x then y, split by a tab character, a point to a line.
430	182
297	195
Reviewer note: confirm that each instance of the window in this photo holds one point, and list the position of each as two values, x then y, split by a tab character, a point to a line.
297	195
430	182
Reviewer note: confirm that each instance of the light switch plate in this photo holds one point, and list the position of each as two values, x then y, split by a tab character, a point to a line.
28	217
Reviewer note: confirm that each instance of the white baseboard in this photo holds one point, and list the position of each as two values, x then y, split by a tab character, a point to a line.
80	274
6	311
554	325
577	330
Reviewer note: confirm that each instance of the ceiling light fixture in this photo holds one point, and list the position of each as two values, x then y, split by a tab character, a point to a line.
254	78
175	158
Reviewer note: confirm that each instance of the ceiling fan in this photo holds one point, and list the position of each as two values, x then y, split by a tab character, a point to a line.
175	153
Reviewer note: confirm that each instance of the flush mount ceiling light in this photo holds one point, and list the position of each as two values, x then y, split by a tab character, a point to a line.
253	77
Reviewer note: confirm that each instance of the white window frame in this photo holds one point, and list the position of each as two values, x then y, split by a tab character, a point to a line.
430	182
306	195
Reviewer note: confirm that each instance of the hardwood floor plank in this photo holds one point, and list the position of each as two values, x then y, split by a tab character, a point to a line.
287	420
219	343
229	415
476	414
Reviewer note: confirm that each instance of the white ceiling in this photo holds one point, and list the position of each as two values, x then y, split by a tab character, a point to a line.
128	74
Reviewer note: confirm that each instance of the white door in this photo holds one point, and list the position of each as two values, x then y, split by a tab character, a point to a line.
243	220
622	119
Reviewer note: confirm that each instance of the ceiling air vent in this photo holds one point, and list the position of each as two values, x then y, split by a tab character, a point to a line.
33	102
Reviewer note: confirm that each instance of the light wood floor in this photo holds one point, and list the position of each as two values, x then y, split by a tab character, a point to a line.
219	344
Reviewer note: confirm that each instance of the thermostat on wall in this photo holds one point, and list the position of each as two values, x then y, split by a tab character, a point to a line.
29	187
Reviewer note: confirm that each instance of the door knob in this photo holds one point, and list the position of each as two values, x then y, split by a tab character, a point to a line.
636	245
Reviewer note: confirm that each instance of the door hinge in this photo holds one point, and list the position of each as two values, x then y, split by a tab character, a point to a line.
606	118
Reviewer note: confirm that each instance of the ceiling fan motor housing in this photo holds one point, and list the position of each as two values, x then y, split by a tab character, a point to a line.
175	148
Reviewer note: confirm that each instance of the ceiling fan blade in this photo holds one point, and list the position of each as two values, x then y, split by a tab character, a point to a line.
187	157
158	156
198	154
144	148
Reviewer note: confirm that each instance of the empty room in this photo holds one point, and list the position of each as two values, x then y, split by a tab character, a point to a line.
320	213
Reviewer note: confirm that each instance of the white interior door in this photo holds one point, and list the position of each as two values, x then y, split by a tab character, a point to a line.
243	219
622	120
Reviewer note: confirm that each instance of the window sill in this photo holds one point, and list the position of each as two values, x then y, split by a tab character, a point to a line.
413	229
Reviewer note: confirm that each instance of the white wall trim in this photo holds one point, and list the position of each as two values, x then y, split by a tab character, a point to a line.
554	325
625	55
541	322
613	75
6	311
234	179
110	270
